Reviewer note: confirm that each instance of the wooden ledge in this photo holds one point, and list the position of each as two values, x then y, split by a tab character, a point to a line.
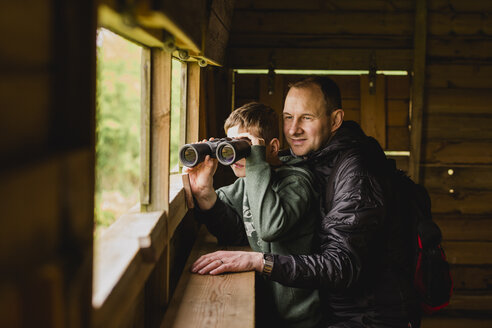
226	300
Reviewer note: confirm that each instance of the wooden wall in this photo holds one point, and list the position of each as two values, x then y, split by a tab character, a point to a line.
457	118
457	135
47	168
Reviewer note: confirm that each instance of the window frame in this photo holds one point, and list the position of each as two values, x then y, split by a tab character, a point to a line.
126	253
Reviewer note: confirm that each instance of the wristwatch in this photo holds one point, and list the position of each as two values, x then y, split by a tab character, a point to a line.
267	264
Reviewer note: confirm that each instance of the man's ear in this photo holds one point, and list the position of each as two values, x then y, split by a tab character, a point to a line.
336	119
274	146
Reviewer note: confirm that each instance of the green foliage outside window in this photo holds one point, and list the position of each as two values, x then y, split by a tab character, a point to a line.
117	127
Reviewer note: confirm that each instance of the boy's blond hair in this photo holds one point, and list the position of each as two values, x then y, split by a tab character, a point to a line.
259	119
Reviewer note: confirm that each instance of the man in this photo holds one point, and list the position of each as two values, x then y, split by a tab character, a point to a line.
362	263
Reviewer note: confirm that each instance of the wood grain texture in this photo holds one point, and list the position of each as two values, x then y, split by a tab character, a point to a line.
472	278
445	75
418	88
193	103
161	123
373	108
464	126
459	101
464	227
472	177
314	58
274	100
468	252
458	152
452	322
211	301
462	201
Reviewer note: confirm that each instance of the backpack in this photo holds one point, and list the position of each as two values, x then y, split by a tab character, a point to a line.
432	277
431	273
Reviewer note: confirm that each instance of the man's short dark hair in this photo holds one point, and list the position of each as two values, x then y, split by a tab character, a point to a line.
328	87
259	119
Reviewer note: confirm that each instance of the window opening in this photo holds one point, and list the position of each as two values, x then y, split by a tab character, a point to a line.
118	113
176	103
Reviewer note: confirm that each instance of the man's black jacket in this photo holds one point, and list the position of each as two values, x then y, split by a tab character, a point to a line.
363	264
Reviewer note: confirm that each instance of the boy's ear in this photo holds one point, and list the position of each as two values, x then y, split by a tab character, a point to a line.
274	146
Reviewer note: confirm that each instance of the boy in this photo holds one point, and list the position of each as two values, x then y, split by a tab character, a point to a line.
272	205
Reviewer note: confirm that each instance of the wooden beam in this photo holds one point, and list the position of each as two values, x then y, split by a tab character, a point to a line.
275	99
193	103
373	107
145	127
314	58
418	88
225	300
161	124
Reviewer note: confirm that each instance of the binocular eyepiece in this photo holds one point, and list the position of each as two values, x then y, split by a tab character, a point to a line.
226	150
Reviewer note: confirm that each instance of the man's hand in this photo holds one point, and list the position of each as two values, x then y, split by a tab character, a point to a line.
202	182
228	261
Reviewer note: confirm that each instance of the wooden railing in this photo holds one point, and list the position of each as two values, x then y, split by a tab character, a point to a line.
226	300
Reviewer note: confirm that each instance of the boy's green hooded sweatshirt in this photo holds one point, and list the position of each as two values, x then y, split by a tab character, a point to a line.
279	208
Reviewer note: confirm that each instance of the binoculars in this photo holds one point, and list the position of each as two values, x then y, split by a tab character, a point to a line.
226	150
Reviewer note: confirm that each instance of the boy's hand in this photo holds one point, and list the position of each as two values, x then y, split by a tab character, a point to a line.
201	182
254	140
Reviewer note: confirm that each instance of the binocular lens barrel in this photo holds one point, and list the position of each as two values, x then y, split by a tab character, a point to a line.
227	151
193	154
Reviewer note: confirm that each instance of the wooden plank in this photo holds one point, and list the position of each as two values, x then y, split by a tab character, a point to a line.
223	10
418	88
20	237
274	100
193	103
145	126
401	162
472	177
360	5
398	138
203	301
452	322
34	132
465	101
309	40
373	107
123	260
458	127
180	19
454	23
460	6
458	152
216	38
161	124
471	278
472	50
247	86
459	76
462	201
471	302
28	44
467	252
111	19
398	112
314	22
398	87
351	114
465	227
328	59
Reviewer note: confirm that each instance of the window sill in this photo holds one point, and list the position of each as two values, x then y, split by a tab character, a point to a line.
126	253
